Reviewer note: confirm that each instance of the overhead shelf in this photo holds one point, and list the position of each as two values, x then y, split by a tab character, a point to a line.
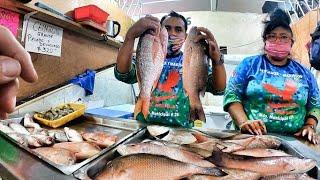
57	20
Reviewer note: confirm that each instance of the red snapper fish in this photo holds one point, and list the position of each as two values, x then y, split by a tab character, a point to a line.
151	53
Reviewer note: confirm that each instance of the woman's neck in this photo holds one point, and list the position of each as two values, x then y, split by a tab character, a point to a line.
278	62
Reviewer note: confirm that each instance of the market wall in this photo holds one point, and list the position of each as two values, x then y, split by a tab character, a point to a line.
240	32
81	49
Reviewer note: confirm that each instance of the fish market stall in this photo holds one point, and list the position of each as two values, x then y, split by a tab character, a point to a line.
181	143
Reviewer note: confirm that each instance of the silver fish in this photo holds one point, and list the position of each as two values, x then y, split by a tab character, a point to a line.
180	137
58	135
73	135
29	123
19	128
6	129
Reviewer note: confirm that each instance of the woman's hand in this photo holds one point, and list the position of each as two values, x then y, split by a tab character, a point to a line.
256	127
308	132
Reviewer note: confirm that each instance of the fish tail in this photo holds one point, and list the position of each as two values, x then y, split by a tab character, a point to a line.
216	157
196	109
142	105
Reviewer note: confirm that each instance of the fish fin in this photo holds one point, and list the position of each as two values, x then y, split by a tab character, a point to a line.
216	157
142	105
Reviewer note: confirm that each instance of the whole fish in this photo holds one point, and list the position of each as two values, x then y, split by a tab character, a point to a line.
195	74
100	138
73	135
170	152
148	166
43	139
233	174
29	123
19	128
263	141
264	165
82	150
259	152
6	129
298	176
202	152
57	155
151	53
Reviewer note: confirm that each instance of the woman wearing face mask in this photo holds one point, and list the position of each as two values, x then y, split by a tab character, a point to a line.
169	103
272	92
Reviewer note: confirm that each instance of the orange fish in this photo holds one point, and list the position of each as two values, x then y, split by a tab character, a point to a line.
151	53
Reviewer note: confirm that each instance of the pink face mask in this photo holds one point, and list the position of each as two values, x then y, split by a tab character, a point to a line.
278	50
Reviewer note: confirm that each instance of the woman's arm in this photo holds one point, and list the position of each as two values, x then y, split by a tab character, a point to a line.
237	113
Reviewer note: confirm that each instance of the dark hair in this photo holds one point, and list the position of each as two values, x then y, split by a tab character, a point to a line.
278	18
175	14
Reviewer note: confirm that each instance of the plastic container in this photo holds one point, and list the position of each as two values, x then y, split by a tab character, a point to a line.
78	111
90	12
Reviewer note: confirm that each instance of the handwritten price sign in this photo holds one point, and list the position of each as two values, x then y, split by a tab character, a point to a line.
43	38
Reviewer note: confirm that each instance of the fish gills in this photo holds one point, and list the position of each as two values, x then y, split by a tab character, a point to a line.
151	53
146	166
195	74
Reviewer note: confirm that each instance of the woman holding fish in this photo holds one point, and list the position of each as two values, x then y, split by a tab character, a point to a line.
15	62
170	81
272	92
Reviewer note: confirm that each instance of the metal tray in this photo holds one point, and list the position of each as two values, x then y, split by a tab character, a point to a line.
123	129
90	171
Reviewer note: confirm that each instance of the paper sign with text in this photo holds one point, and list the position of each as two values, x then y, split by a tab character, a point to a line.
43	38
10	20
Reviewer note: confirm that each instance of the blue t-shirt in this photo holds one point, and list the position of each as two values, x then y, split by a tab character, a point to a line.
281	96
